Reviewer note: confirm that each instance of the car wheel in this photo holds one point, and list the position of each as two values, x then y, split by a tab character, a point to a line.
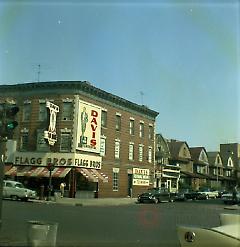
13	197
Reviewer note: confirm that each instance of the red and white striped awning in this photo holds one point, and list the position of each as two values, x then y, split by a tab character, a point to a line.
93	175
30	171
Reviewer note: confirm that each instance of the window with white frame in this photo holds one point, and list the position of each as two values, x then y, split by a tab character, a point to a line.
66	141
150	154
118	122
117	149
103	146
42	111
41	143
26	112
67	111
104	118
131	127
141	130
131	151
24	140
151	132
140	152
115	181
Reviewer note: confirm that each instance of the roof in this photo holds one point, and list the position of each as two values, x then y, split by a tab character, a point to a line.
75	87
212	157
195	153
175	148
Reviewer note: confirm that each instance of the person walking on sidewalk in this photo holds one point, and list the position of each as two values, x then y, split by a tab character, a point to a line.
62	187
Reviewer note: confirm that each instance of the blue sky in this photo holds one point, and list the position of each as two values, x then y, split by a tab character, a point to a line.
182	55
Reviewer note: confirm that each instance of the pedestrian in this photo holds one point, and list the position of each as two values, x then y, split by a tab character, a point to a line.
234	194
62	187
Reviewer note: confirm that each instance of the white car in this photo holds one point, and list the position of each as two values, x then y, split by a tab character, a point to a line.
225	235
16	190
209	193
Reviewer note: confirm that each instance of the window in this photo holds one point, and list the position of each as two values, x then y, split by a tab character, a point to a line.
26	112
66	141
150	134
41	143
104	119
115	181
131	127
140	153
42	112
117	149
118	122
150	154
141	130
131	151
67	111
24	141
103	146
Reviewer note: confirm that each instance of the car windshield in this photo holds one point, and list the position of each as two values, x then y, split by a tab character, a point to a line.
19	185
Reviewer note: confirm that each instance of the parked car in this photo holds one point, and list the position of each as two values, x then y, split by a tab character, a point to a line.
16	190
194	195
209	193
156	195
227	198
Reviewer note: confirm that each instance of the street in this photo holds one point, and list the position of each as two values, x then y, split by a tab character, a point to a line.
128	225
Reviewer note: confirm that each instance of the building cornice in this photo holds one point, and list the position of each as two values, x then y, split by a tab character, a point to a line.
76	87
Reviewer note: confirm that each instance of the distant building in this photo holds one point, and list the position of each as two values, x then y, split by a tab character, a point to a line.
167	172
232	168
216	178
104	143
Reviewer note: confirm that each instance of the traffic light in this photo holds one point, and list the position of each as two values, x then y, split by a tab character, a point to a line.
7	119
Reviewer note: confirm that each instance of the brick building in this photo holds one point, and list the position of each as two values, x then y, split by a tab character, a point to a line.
105	144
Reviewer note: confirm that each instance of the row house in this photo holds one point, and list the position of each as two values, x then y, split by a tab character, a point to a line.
104	145
194	167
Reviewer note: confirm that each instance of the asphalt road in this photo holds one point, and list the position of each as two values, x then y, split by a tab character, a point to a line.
143	225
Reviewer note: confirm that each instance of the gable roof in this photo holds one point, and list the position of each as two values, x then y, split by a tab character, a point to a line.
195	153
175	148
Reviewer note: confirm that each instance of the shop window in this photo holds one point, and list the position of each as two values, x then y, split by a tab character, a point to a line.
117	149
131	127
103	146
141	130
67	111
66	141
104	119
26	112
131	151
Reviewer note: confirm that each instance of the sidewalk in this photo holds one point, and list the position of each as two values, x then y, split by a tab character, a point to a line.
90	202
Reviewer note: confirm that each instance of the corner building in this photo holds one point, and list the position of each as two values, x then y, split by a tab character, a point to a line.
104	144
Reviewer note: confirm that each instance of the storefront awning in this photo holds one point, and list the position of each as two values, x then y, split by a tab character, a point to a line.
30	171
92	174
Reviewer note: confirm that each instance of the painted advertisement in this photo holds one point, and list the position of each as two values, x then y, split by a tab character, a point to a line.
57	159
89	127
141	177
